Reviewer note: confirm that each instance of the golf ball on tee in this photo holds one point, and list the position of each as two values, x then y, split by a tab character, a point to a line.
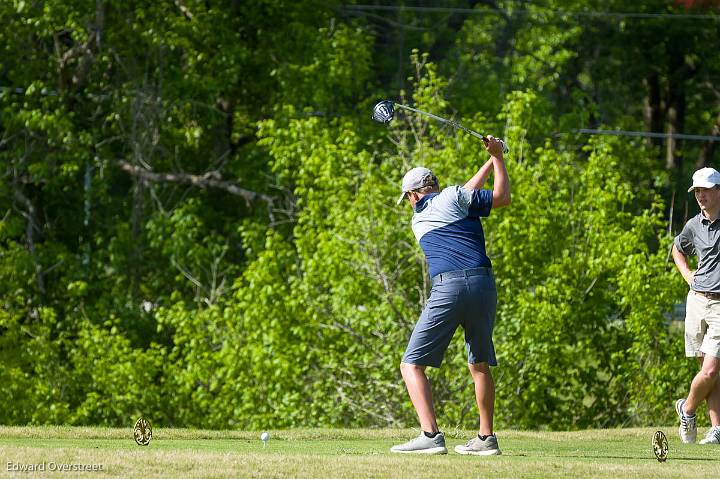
264	437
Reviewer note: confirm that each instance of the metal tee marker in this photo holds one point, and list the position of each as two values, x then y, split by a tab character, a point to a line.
142	432
660	446
384	112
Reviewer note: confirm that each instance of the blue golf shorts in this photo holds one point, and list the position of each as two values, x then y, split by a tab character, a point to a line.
466	298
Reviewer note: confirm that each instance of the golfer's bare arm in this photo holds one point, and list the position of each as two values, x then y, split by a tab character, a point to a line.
681	261
501	182
501	186
478	181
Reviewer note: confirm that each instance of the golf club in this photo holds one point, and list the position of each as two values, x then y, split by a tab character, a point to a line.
384	112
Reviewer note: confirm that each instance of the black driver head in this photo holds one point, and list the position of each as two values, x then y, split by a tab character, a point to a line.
384	111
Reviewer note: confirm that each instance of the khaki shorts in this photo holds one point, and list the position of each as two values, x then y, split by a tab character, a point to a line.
702	326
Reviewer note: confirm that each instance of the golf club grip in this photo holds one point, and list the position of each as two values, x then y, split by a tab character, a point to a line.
450	122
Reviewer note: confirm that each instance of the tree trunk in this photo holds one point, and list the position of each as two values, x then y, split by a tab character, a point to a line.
31	225
709	146
653	107
675	122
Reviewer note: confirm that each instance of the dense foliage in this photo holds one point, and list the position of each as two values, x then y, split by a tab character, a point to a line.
198	220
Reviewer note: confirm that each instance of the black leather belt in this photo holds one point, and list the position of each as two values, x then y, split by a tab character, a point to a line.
462	273
708	295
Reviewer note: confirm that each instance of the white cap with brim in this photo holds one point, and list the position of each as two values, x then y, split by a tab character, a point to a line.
415	179
705	178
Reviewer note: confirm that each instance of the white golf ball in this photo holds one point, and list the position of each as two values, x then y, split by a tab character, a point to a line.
264	437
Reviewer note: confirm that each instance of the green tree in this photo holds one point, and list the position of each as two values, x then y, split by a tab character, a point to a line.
197	216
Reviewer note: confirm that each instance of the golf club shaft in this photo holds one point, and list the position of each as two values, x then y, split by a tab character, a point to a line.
444	120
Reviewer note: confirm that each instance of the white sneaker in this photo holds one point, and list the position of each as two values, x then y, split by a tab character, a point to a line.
712	436
688	426
478	447
422	445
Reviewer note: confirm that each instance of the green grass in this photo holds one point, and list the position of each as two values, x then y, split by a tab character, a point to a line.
351	453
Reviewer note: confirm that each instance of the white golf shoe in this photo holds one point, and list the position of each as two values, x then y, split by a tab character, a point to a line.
422	445
712	436
688	426
478	447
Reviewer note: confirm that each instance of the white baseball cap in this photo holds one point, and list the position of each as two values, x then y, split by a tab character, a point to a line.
705	178
415	179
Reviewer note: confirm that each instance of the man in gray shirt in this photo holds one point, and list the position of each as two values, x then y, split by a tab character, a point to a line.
701	237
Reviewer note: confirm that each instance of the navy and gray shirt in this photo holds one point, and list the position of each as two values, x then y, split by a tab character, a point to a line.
447	226
700	236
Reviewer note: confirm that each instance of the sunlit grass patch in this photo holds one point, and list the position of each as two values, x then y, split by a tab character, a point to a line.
349	453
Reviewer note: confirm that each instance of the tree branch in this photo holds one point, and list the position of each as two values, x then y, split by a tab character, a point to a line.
211	179
82	54
185	11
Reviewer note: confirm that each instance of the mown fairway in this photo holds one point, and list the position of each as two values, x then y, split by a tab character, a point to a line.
331	453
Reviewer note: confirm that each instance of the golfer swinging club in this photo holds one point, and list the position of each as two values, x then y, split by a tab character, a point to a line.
447	225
